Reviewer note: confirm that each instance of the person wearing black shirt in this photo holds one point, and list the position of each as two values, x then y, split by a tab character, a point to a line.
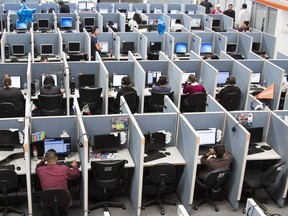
230	88
64	8
110	24
230	12
49	87
208	5
95	45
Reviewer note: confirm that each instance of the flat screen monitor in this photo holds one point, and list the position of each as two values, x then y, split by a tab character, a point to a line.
155	46
53	75
206	47
66	22
82	5
154	141
103	10
207	137
185	76
256	46
256	78
89	21
117	78
106	142
18	49
46	49
43	24
127	46
74	47
130	15
15	81
231	48
152	77
90	6
222	77
9	138
86	80
181	48
104	47
157	10
196	23
216	23
256	134
21	25
62	145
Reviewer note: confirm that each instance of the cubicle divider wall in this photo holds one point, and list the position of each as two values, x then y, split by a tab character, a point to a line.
156	8
181	38
143	45
280	55
232	38
169	106
208	76
220	43
190	8
196	22
244	44
89	19
105	8
128	37
115	17
153	37
195	43
139	7
207	21
15	69
169	42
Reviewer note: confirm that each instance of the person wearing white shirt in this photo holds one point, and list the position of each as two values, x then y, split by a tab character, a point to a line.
244	15
177	26
135	21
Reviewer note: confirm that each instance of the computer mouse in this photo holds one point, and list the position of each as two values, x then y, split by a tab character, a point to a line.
167	153
266	147
18	168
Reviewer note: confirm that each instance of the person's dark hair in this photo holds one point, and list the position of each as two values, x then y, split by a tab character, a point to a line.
178	21
51	155
219	150
94	29
192	78
51	10
61	3
230	5
231	80
162	80
7	81
49	81
110	23
43	58
125	80
137	18
244	6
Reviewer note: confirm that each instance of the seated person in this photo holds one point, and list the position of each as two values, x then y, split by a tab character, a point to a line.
110	24
135	21
126	87
231	81
162	86
49	87
177	26
44	59
243	27
12	95
191	86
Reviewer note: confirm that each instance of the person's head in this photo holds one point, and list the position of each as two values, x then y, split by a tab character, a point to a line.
110	23
244	6
137	18
162	80
155	22
95	30
49	81
192	78
219	150
230	7
51	156
177	21
6	81
218	6
61	3
231	80
125	81
44	59
51	10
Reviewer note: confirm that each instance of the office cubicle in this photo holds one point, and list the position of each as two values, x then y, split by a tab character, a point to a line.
152	47
184	20
61	23
15	69
139	7
115	17
206	37
220	22
181	44
44	22
88	20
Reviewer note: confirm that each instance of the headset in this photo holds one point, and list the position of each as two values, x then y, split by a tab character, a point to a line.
231	80
125	80
79	140
162	80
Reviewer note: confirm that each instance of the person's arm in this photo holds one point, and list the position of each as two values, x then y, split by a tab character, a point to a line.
74	172
204	158
41	163
98	46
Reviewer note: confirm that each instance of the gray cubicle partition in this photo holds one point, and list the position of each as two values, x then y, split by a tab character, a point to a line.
269	44
190	9
105	8
254	104
244	44
175	8
140	7
17	39
212	105
169	106
280	55
195	17
115	17
15	69
122	6
180	16
45	16
225	22
208	76
232	38
195	43
129	37
52	38
181	37
220	43
44	7
139	80
169	45
207	22
143	45
156	8
253	55
83	15
154	37
78	37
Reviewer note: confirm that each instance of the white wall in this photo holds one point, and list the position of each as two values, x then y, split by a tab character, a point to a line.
281	31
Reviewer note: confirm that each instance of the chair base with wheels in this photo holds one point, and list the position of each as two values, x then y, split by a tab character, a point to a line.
5	210
206	200
159	202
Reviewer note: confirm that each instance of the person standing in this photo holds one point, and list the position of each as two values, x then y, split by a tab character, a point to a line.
64	8
230	12
244	15
217	9
95	45
208	5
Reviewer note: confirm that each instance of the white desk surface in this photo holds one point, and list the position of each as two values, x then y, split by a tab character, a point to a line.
125	56
122	154
174	158
266	155
5	154
20	165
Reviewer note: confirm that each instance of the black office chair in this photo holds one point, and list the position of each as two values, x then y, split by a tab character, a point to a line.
8	182
56	200
132	99
161	180
212	184
196	103
92	97
157	101
256	179
7	109
50	104
106	175
231	101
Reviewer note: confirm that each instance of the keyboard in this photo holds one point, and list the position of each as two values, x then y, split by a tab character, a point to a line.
68	163
6	148
254	150
10	167
154	157
104	55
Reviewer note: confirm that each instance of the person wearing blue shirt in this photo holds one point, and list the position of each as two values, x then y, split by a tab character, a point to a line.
163	86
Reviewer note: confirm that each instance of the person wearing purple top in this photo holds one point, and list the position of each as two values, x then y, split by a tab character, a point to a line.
193	87
163	86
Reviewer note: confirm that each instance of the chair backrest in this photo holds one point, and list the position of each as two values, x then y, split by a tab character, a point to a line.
8	180
270	175
50	104
162	173
106	174
157	100
132	99
216	178
90	96
55	198
7	109
197	102
231	101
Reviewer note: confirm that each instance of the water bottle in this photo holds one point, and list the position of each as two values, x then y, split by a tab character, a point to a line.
265	82
35	154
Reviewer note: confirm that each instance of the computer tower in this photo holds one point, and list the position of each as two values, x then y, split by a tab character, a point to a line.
72	86
11	27
35	27
7	51
35	87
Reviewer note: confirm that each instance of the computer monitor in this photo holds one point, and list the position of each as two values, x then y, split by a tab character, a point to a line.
181	48
116	80
207	137
154	141
206	47
222	77
74	47
15	81
21	25
62	146
127	46
231	47
185	76
9	139
46	49
89	21
86	80
106	142
18	49
152	77
196	23
216	23
130	15
105	48
103	10
66	22
155	46
82	5
53	75
90	6
43	24
256	46
256	78
256	134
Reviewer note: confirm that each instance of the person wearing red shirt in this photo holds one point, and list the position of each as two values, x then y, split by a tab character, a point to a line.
218	9
191	86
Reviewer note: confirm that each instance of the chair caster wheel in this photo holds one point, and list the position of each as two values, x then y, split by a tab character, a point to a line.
217	209
162	212
143	208
124	207
195	208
